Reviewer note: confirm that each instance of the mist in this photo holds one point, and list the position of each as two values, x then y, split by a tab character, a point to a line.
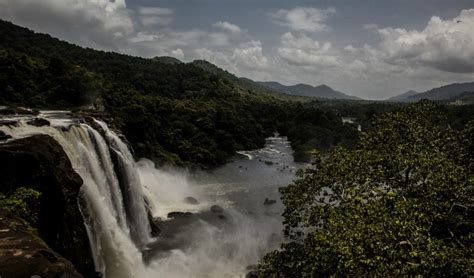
218	243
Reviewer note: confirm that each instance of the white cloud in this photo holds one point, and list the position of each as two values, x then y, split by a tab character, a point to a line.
304	51
178	53
218	39
250	54
246	59
93	23
350	48
155	16
228	27
303	18
446	45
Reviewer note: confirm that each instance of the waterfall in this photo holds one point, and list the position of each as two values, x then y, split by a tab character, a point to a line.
111	198
116	216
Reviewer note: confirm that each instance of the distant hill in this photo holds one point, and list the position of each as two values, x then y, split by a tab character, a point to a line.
243	82
441	93
403	96
321	91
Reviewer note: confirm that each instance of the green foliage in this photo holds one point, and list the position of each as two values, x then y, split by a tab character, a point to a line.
35	82
24	202
170	112
400	203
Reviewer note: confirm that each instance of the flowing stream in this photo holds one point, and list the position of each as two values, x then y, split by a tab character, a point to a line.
211	223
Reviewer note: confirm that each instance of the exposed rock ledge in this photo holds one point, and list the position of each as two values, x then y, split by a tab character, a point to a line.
24	254
39	162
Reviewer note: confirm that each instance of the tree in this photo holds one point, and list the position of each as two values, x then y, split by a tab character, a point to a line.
400	203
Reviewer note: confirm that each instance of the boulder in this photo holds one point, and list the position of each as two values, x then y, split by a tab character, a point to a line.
191	201
40	163
8	122
39	122
268	202
4	136
217	209
252	274
176	214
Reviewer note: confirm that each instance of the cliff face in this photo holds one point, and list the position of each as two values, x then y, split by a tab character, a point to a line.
24	254
39	162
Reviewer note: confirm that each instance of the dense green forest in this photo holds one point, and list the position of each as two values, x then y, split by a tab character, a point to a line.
170	112
399	204
177	113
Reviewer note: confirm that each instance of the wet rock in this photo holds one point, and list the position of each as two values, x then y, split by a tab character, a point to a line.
97	275
251	267
179	214
40	163
183	232
252	274
8	123
48	255
4	136
24	254
217	209
268	202
191	201
39	122
155	230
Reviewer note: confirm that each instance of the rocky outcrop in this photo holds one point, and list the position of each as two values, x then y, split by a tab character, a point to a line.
24	254
4	136
38	122
39	162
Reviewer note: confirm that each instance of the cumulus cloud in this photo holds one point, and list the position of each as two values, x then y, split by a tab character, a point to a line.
96	23
247	56
250	54
303	18
177	53
228	27
446	45
304	51
155	16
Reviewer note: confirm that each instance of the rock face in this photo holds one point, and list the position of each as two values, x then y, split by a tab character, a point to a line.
39	162
24	254
191	201
268	202
39	122
217	209
4	136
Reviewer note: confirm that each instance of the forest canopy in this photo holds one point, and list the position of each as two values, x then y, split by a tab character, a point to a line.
400	203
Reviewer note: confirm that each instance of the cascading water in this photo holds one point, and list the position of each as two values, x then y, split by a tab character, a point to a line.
112	201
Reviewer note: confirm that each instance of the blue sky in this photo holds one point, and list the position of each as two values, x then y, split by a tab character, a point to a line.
369	48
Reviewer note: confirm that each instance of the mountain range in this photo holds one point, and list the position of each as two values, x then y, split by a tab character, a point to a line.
272	87
321	91
447	92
